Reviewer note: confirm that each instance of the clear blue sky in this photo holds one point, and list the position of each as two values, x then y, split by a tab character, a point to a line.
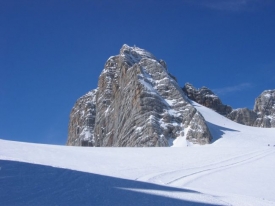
52	52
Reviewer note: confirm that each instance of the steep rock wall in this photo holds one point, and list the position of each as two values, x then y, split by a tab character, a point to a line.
82	121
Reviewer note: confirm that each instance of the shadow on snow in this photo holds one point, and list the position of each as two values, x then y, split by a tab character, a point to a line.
32	184
217	131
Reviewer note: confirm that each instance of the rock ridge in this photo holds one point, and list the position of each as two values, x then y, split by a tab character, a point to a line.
263	114
207	98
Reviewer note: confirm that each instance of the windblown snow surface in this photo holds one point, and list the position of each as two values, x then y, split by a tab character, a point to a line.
236	169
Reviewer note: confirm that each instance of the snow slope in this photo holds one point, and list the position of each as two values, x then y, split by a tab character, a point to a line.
236	169
228	133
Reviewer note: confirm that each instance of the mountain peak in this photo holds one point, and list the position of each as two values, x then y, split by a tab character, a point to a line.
137	104
135	53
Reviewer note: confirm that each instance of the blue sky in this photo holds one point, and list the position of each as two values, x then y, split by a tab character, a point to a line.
52	52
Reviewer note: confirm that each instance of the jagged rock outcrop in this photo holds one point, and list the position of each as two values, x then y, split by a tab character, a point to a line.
263	114
265	109
138	104
82	121
243	116
207	98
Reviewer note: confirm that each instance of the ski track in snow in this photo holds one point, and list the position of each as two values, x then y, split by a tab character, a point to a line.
182	176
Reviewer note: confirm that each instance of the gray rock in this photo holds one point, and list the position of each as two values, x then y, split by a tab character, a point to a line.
207	98
243	116
139	104
263	114
265	109
144	106
82	121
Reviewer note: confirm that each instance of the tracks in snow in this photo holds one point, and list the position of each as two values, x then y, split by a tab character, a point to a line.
182	176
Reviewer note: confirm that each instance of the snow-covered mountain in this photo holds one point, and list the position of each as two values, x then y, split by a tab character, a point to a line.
236	169
137	103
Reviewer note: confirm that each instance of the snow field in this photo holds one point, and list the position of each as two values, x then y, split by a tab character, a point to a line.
236	169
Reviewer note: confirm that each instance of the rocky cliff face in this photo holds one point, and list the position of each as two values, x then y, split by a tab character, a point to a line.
243	116
207	98
137	104
265	109
82	121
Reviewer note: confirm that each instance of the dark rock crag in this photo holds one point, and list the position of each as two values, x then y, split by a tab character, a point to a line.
207	98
